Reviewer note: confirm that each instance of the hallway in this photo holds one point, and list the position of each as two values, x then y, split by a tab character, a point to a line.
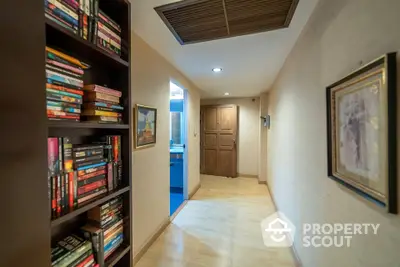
219	227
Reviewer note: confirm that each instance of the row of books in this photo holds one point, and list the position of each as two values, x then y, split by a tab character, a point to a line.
69	99
105	228
96	241
74	250
79	173
64	84
84	18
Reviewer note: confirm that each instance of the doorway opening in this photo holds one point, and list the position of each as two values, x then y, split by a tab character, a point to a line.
178	147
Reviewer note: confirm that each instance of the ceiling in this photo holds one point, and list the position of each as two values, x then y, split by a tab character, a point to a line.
250	63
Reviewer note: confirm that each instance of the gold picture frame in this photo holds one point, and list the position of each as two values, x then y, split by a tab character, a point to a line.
361	123
145	132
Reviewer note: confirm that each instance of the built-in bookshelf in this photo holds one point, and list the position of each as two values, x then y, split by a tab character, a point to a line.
110	70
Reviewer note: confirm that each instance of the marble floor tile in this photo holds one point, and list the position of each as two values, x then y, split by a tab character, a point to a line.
219	227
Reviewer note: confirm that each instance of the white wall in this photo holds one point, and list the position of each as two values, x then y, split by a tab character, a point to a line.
249	120
150	78
339	35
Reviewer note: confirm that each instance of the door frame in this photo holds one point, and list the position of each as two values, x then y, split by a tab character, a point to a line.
185	136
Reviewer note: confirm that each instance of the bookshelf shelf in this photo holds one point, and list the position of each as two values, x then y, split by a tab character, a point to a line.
117	255
83	46
85	125
87	206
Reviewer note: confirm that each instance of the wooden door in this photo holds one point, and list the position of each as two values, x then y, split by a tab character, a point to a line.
218	140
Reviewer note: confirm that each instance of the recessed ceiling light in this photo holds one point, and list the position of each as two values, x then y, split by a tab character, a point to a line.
226	94
217	69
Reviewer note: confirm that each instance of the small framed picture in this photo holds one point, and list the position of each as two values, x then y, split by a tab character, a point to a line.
361	118
145	126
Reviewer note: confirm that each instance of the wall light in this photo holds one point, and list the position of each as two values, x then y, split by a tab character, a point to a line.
217	69
226	94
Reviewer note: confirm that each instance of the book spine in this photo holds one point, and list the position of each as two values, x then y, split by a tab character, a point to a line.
64	109
109	21
115	174
55	58
54	196
102	104
82	258
67	206
64	89
71	190
79	251
49	14
72	3
67	145
119	174
62	114
63	93
91	147
82	173
63	71
103	119
65	66
110	176
95	20
92	179
88	153
113	234
90	187
105	29
61	118
52	156
101	89
108	38
86	261
63	78
62	203
114	242
108	231
59	12
91	196
62	6
90	164
100	113
63	98
88	159
80	17
58	195
65	57
60	155
62	104
107	46
104	97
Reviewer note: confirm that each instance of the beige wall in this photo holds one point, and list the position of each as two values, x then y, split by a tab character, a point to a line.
339	35
150	78
249	120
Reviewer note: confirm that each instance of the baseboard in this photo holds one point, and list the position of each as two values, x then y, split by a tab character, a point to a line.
194	191
247	175
293	250
262	182
151	240
172	217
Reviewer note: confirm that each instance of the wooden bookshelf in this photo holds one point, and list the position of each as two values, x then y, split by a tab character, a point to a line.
114	71
28	228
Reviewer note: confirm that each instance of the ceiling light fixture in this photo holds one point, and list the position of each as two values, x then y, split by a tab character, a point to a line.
226	94
217	69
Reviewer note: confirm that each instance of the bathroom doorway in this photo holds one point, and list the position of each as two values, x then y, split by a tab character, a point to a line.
178	147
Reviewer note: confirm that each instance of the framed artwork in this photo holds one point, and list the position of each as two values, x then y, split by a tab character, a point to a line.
145	126
361	122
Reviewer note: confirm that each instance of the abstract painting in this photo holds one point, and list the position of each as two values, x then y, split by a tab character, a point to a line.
145	126
361	121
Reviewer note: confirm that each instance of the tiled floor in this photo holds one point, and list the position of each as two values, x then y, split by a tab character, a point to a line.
175	200
219	227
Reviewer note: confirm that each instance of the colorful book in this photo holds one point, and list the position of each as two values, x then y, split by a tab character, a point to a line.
92	112
102	89
94	105
67	58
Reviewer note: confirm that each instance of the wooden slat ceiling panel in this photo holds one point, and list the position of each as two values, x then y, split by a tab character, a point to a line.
193	21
